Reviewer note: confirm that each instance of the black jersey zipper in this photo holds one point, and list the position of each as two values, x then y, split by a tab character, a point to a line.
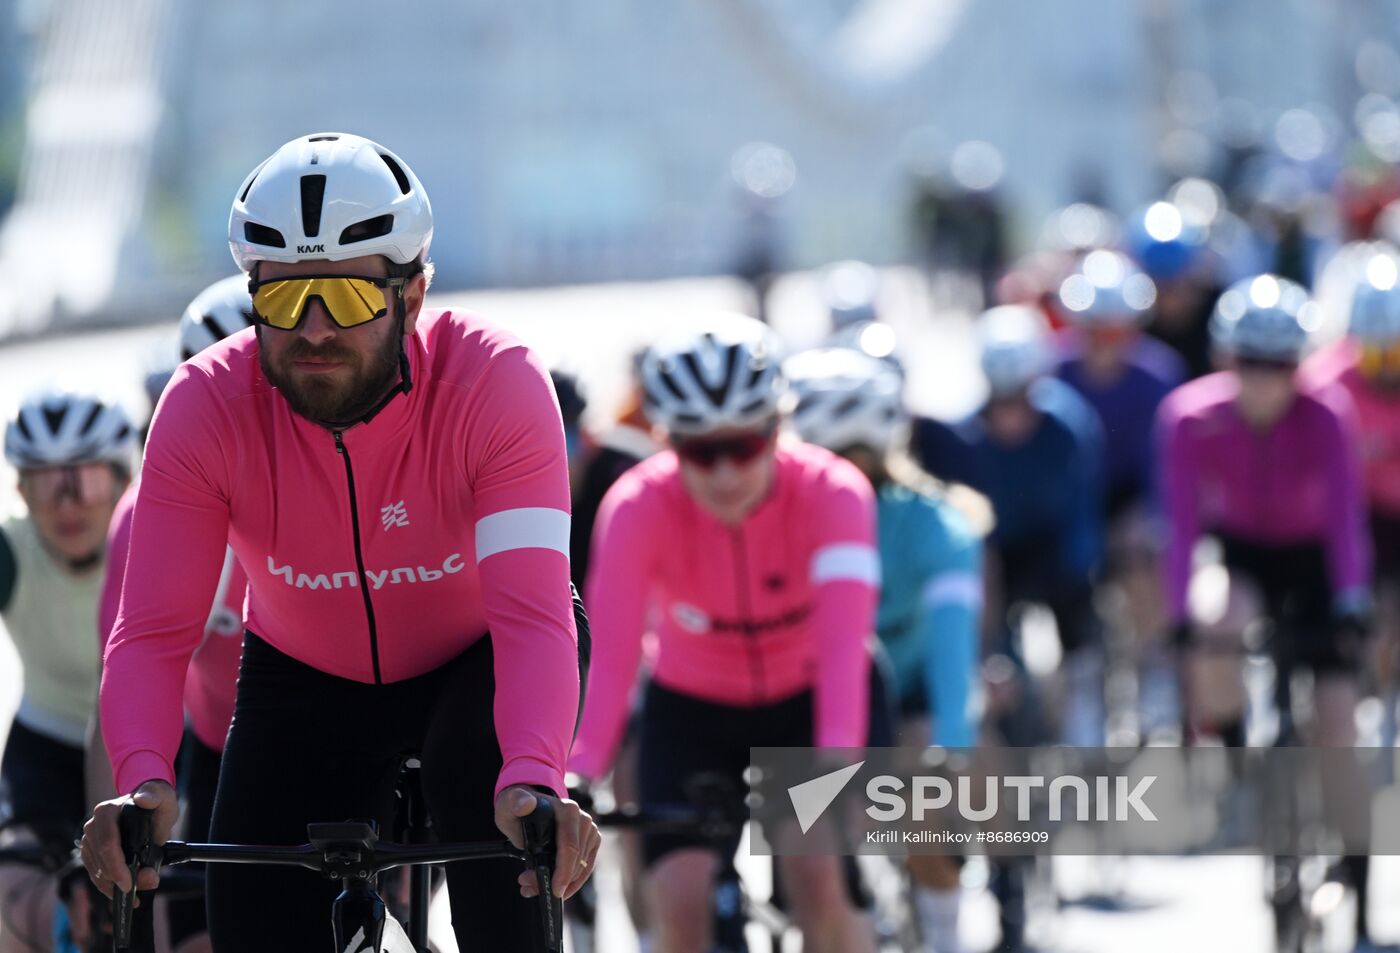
360	558
746	620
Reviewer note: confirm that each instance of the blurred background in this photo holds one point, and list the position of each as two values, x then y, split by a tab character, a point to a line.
599	170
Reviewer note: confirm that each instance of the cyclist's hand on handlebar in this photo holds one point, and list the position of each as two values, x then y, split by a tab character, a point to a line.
575	835
102	841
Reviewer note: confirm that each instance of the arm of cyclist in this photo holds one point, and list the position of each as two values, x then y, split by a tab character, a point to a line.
1084	536
178	536
1348	540
519	476
950	632
97	766
1178	476
617	597
846	585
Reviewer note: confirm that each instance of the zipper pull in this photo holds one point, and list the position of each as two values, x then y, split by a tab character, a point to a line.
339	443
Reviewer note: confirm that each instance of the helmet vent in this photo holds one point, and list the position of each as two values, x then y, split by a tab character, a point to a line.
53	417
324	139
249	187
262	235
91	418
313	194
369	228
400	176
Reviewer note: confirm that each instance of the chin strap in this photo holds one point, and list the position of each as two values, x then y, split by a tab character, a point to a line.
84	563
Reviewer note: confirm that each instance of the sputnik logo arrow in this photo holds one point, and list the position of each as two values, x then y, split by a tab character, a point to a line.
810	799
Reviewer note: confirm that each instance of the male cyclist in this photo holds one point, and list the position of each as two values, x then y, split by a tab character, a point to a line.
1274	472
931	568
1035	449
74	454
394	480
753	562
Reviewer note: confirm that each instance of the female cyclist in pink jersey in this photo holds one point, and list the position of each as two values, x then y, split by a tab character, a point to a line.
1273	471
751	562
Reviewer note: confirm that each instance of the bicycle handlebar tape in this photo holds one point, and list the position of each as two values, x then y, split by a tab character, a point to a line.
537	827
134	824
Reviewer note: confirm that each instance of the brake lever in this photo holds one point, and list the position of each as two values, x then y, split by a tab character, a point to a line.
537	827
134	823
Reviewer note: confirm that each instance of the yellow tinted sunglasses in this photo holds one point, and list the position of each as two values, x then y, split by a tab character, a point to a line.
1376	359
350	300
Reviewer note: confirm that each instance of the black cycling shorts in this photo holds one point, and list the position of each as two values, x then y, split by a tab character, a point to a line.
1297	593
307	746
1385	540
683	736
41	784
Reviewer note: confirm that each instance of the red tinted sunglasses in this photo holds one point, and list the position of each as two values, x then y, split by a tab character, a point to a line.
707	453
1265	364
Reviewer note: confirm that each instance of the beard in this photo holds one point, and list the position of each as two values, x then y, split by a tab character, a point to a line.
329	398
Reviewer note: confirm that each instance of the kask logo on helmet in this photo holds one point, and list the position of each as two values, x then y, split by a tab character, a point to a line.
311	249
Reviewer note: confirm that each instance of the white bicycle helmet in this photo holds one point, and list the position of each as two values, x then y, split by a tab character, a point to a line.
1015	347
1375	306
329	197
850	290
215	313
1107	290
1265	318
60	428
725	376
845	399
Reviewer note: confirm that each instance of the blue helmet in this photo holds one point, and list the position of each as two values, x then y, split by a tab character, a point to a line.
1164	242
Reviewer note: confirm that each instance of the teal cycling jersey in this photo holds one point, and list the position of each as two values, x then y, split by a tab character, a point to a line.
930	606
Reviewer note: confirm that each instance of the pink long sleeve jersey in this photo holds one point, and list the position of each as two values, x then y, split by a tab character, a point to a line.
1299	482
375	554
743	615
213	675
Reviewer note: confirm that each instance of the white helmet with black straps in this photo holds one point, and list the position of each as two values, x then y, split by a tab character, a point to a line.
1375	305
1107	290
1264	318
215	313
60	428
727	375
1016	348
846	398
330	196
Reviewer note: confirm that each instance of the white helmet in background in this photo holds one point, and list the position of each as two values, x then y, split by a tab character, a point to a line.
846	398
1264	318
215	313
330	196
56	428
1016	348
1107	290
1375	305
725	376
850	290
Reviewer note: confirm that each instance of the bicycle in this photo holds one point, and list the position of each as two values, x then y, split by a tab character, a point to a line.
352	853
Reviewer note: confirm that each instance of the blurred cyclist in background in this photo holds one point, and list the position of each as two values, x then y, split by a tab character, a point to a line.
1035	449
1124	375
1172	248
1273	471
74	453
752	560
931	577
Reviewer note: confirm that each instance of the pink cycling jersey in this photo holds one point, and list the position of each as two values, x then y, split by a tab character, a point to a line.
459	493
1378	417
213	675
1299	482
742	615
